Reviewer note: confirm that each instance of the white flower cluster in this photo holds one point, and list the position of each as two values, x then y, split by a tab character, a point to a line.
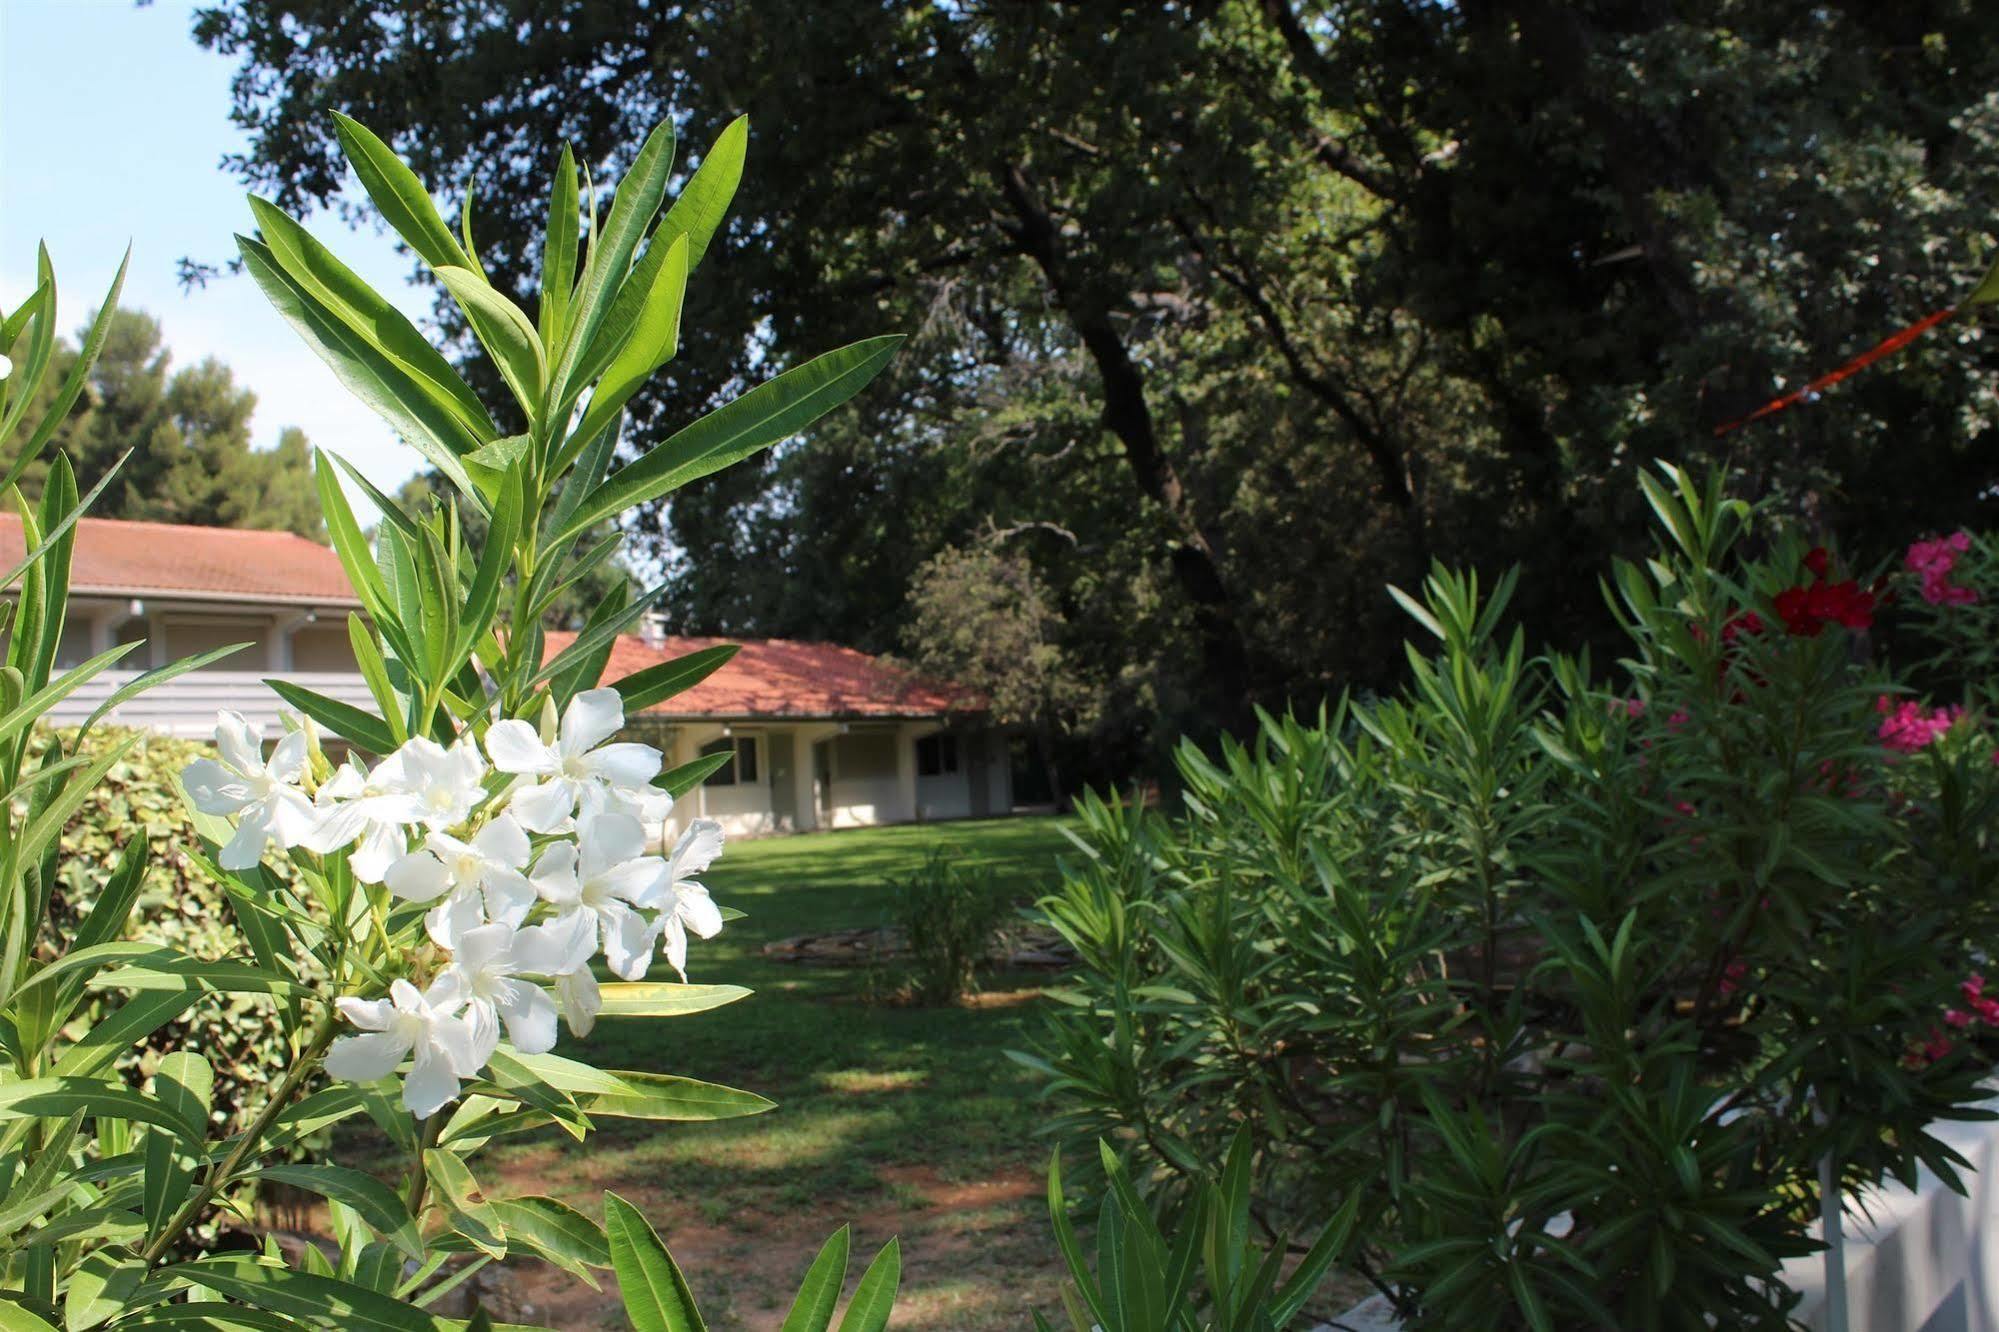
531	877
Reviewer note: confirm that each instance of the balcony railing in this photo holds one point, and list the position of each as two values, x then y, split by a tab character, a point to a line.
187	704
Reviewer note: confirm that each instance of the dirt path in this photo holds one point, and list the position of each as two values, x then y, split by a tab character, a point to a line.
976	1256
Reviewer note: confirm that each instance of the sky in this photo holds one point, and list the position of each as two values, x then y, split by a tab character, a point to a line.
113	125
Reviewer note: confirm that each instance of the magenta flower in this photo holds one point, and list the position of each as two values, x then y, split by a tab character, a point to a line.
1909	726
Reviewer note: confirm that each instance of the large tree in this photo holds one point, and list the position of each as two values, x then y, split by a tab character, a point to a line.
1226	312
188	435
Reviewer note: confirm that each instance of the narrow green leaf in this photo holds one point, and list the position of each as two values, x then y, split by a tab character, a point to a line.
350	299
558	253
556	1231
405	203
665	1096
655	1293
665	999
641	689
155	677
99	1288
343	719
812	1310
38	1097
185	1084
318	1300
649	342
394	396
874	1298
677	782
13	1318
79	372
632	211
377	1203
504	332
471	1214
772	411
375	671
705	202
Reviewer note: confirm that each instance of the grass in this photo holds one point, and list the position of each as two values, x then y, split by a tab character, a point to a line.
897	1119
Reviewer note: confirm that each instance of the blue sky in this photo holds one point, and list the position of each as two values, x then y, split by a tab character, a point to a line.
113	124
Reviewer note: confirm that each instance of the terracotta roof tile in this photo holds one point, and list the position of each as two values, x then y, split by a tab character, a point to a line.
778	677
119	558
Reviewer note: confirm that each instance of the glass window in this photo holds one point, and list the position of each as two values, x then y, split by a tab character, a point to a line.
936	755
726	774
743	750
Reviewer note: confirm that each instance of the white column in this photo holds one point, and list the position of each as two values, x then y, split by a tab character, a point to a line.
905	774
102	619
805	770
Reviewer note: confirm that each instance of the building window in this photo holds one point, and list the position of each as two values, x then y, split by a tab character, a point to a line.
936	755
743	749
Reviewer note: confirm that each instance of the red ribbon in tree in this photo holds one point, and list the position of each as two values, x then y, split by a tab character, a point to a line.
1888	346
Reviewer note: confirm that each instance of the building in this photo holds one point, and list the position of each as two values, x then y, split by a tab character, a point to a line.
819	736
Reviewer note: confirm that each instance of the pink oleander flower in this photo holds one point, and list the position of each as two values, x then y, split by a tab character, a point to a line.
1933	561
1679	718
1909	726
1732	976
1957	1017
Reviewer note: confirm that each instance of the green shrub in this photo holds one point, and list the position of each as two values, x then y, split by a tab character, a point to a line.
950	913
1569	985
178	905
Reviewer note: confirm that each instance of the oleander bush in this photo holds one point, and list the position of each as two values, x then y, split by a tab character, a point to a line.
1570	977
950	913
418	924
178	905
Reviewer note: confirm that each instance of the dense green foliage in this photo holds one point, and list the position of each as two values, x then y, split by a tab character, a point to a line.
1204	1272
950	912
1227	313
178	905
105	1186
1569	981
188	433
979	617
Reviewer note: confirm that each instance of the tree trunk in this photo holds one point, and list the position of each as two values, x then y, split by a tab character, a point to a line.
1194	559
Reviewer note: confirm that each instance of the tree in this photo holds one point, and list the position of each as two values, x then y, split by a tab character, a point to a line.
188	433
980	617
1247	306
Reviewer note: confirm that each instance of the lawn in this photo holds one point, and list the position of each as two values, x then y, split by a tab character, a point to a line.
901	1120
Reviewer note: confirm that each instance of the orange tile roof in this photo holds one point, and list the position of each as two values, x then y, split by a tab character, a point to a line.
779	677
119	558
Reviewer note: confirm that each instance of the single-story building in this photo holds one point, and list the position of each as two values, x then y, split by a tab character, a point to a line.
819	736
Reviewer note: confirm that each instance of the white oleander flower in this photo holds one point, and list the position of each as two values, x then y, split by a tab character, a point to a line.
487	968
484	878
262	794
365	810
603	874
443	783
580	998
6	367
423	1024
682	903
571	762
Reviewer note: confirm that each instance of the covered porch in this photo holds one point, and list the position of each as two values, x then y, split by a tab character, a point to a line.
806	774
